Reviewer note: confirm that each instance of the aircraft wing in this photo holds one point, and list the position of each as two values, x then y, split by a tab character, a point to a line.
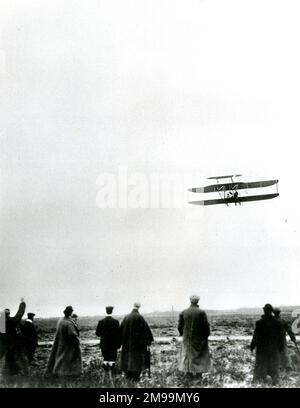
240	199
215	188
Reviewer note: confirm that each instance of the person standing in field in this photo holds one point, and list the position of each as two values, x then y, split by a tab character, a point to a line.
74	318
29	336
193	326
284	357
65	359
108	329
268	342
12	351
136	338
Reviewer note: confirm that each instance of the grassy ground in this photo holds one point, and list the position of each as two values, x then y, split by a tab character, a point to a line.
232	360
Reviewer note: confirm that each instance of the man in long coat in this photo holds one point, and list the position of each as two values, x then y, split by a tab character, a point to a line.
65	358
74	318
29	336
12	350
194	327
284	358
136	338
268	341
108	329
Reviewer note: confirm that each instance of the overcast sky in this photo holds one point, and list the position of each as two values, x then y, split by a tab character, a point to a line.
164	86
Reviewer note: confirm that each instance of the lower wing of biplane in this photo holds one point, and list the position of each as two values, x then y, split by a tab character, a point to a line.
232	200
228	192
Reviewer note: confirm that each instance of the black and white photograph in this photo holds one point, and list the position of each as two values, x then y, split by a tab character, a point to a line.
149	198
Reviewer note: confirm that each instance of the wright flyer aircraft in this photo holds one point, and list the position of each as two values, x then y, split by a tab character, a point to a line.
233	191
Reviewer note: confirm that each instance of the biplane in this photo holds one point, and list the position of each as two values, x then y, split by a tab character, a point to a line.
229	192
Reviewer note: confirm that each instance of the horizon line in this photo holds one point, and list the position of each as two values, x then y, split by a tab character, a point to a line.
175	311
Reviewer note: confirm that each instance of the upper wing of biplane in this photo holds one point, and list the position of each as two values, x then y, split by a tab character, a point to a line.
240	199
215	188
223	177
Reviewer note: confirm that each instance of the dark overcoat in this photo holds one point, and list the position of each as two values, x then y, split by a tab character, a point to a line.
65	358
284	357
194	327
30	338
136	336
268	341
108	330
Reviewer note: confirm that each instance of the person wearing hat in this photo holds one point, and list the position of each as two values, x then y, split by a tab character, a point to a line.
65	359
194	328
29	336
136	338
268	342
74	318
284	357
108	329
